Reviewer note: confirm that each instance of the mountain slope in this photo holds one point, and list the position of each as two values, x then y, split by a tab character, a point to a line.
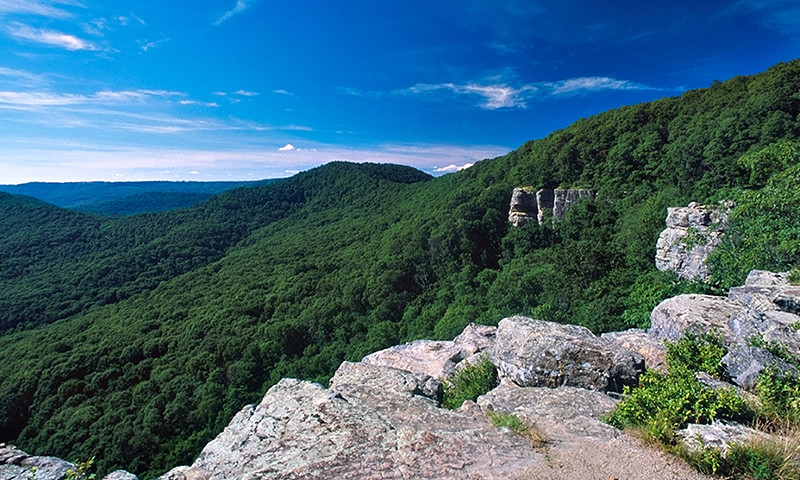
123	198
181	317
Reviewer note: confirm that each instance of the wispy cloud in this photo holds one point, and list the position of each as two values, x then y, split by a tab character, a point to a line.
493	95
782	16
574	86
22	77
241	6
246	93
281	91
18	100
199	103
52	38
33	7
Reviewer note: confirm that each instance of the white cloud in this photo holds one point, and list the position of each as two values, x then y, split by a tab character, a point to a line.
594	84
452	168
246	93
500	95
33	7
241	6
198	103
281	91
150	45
37	99
286	148
493	96
50	37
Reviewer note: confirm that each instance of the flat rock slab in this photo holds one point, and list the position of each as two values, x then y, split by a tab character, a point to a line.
304	431
561	413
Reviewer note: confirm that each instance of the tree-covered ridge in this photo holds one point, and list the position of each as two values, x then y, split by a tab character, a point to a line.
166	324
123	198
55	263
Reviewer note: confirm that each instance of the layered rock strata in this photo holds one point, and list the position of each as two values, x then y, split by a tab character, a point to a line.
527	205
691	234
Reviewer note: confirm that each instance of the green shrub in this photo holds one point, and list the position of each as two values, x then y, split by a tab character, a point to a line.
779	396
758	459
697	353
469	383
661	403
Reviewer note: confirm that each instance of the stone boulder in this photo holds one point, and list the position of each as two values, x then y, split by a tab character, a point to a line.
435	358
16	464
719	434
654	351
526	205
743	364
535	353
374	422
691	234
696	314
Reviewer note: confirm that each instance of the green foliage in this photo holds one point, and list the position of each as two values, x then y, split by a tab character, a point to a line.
664	403
469	383
764	230
651	289
515	424
82	471
779	395
697	353
756	459
794	276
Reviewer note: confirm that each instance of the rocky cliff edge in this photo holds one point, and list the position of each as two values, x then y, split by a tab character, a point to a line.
381	418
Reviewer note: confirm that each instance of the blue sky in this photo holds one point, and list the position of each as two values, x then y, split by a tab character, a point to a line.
251	89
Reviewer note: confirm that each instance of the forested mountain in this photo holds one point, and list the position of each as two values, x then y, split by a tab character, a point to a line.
123	198
135	339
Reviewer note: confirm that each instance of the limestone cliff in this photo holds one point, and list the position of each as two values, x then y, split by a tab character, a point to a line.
691	234
527	205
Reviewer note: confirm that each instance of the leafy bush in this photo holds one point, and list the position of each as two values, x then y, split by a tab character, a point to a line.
697	353
469	383
779	395
661	403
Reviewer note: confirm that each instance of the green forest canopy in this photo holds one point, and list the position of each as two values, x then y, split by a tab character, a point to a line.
134	340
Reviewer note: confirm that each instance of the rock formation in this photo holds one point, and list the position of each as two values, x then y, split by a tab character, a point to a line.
691	235
527	205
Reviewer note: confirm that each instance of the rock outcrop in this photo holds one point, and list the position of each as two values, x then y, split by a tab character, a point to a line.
534	353
527	205
691	235
436	358
760	310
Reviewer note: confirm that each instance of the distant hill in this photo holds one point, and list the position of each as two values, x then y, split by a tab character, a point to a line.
135	339
123	198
